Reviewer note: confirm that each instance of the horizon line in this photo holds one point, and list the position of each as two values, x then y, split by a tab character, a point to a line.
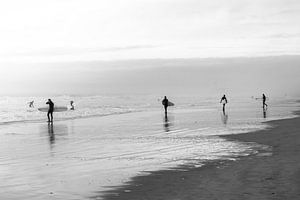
154	59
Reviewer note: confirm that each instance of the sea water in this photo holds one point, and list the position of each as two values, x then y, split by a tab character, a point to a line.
16	109
108	139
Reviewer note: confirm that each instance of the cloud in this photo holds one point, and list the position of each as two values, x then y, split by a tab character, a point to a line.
145	28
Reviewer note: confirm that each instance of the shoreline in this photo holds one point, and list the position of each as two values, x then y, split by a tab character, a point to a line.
258	176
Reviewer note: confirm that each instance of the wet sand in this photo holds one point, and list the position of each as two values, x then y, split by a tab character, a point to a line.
82	158
263	176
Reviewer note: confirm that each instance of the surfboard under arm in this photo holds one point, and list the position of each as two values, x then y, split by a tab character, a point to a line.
56	109
170	103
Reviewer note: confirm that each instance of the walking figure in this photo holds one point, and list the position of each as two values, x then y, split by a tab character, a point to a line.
264	98
165	103
224	102
50	110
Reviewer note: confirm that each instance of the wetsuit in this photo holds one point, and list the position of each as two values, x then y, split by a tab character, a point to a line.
50	111
165	103
264	101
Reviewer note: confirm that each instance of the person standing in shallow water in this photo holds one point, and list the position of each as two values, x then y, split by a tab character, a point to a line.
165	103
31	104
224	102
72	105
264	98
50	110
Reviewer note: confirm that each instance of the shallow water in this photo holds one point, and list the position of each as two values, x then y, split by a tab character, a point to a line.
16	109
78	158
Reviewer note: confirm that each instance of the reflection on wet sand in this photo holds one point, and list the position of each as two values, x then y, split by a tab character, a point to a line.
264	112
167	123
224	117
54	131
51	133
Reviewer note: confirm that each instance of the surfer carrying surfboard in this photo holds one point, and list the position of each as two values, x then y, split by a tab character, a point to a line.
224	102
165	103
50	110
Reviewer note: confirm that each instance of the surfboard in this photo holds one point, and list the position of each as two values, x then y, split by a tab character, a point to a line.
56	109
224	101
170	103
260	98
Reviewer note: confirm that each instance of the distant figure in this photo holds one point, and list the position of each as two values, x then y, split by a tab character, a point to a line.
165	103
72	106
264	98
224	102
50	110
31	104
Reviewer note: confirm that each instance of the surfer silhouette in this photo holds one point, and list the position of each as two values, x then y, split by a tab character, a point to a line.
165	103
264	98
31	104
72	106
50	110
224	102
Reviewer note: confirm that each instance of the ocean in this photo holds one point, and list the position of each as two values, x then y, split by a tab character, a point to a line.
108	139
16	109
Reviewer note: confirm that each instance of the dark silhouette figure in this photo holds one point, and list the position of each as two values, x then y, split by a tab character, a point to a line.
264	98
165	103
50	110
224	102
72	106
31	104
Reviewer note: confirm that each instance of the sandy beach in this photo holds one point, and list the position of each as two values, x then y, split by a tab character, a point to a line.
266	175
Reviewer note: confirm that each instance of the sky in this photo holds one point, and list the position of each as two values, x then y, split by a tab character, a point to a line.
84	30
137	46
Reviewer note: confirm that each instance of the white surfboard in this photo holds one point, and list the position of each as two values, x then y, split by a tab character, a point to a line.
56	109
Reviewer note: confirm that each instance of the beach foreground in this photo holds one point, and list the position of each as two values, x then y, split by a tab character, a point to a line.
265	175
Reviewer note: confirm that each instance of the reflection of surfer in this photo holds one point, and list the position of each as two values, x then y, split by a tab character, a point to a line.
72	106
51	133
31	104
264	113
224	118
166	124
224	102
264	98
50	110
165	103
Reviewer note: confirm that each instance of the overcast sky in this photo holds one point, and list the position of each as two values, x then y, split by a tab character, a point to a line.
70	30
70	46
